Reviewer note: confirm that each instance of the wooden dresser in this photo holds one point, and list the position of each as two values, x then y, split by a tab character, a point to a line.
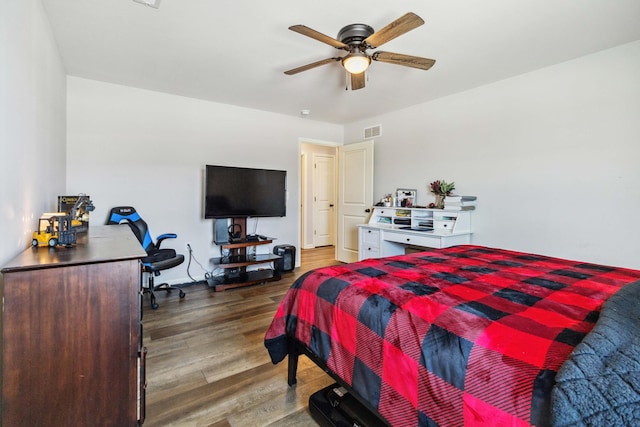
72	350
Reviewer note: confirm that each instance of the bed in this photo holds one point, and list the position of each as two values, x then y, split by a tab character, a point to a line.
470	335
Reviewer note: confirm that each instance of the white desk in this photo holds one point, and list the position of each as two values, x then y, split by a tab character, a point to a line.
390	230
377	241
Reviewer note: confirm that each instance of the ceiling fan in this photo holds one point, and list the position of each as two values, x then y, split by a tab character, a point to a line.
357	39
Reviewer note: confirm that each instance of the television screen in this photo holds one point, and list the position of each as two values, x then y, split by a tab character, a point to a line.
232	192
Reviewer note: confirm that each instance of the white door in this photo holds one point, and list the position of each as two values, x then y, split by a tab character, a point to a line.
355	196
303	198
323	199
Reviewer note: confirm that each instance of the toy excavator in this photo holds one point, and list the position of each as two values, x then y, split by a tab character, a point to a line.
61	228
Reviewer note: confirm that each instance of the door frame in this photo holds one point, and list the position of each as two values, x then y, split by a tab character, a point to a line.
304	210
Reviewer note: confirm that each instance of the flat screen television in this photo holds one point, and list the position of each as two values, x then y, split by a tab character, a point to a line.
233	192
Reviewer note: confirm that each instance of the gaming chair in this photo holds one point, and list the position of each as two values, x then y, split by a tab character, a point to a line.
157	259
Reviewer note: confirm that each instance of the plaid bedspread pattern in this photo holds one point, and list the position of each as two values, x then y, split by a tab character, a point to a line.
467	335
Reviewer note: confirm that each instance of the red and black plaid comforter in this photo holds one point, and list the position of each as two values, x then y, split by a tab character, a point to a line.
465	335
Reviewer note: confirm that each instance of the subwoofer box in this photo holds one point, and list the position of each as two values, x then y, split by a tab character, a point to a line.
288	260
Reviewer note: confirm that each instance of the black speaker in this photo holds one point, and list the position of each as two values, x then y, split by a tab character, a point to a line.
221	230
288	260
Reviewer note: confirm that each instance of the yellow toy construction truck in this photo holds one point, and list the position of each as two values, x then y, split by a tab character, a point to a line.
54	229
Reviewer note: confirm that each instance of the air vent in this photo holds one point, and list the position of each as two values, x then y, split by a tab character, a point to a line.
372	132
151	3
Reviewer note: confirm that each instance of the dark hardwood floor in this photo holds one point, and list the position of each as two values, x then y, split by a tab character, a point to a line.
207	364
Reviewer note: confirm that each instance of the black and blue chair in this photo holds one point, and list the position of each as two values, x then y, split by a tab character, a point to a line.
157	259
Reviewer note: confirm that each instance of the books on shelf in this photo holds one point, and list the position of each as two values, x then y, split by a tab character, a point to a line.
473	203
456	199
458	207
402	221
460	203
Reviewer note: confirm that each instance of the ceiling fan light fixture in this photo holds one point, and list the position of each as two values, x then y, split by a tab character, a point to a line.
356	62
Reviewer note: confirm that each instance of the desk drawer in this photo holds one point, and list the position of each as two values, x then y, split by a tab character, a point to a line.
368	252
444	225
371	238
412	239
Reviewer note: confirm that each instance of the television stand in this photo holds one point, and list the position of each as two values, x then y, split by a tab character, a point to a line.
235	264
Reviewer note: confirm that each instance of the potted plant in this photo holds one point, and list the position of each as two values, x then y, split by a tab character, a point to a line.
441	189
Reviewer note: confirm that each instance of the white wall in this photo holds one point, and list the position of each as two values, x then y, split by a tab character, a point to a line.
146	149
553	156
32	123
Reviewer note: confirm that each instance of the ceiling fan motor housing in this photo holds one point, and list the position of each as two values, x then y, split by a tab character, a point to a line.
354	34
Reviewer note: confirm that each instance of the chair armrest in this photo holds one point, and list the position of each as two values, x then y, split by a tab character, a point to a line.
162	237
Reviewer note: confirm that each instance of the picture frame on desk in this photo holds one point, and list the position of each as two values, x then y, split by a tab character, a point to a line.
406	197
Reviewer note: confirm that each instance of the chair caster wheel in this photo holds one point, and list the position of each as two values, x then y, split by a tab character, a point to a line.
155	306
182	294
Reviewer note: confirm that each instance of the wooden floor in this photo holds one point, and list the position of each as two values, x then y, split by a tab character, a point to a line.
207	364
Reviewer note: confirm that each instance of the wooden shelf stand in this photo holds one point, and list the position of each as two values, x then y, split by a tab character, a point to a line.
235	264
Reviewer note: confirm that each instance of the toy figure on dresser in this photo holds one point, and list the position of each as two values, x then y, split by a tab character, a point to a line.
54	229
441	189
61	228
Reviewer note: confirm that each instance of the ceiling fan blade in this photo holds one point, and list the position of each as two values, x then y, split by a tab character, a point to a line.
357	81
306	31
404	24
312	65
405	60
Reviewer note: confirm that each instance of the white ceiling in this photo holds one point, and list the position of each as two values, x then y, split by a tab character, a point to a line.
235	51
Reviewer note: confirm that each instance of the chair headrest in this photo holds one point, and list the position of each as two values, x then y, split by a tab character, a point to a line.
128	214
119	213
